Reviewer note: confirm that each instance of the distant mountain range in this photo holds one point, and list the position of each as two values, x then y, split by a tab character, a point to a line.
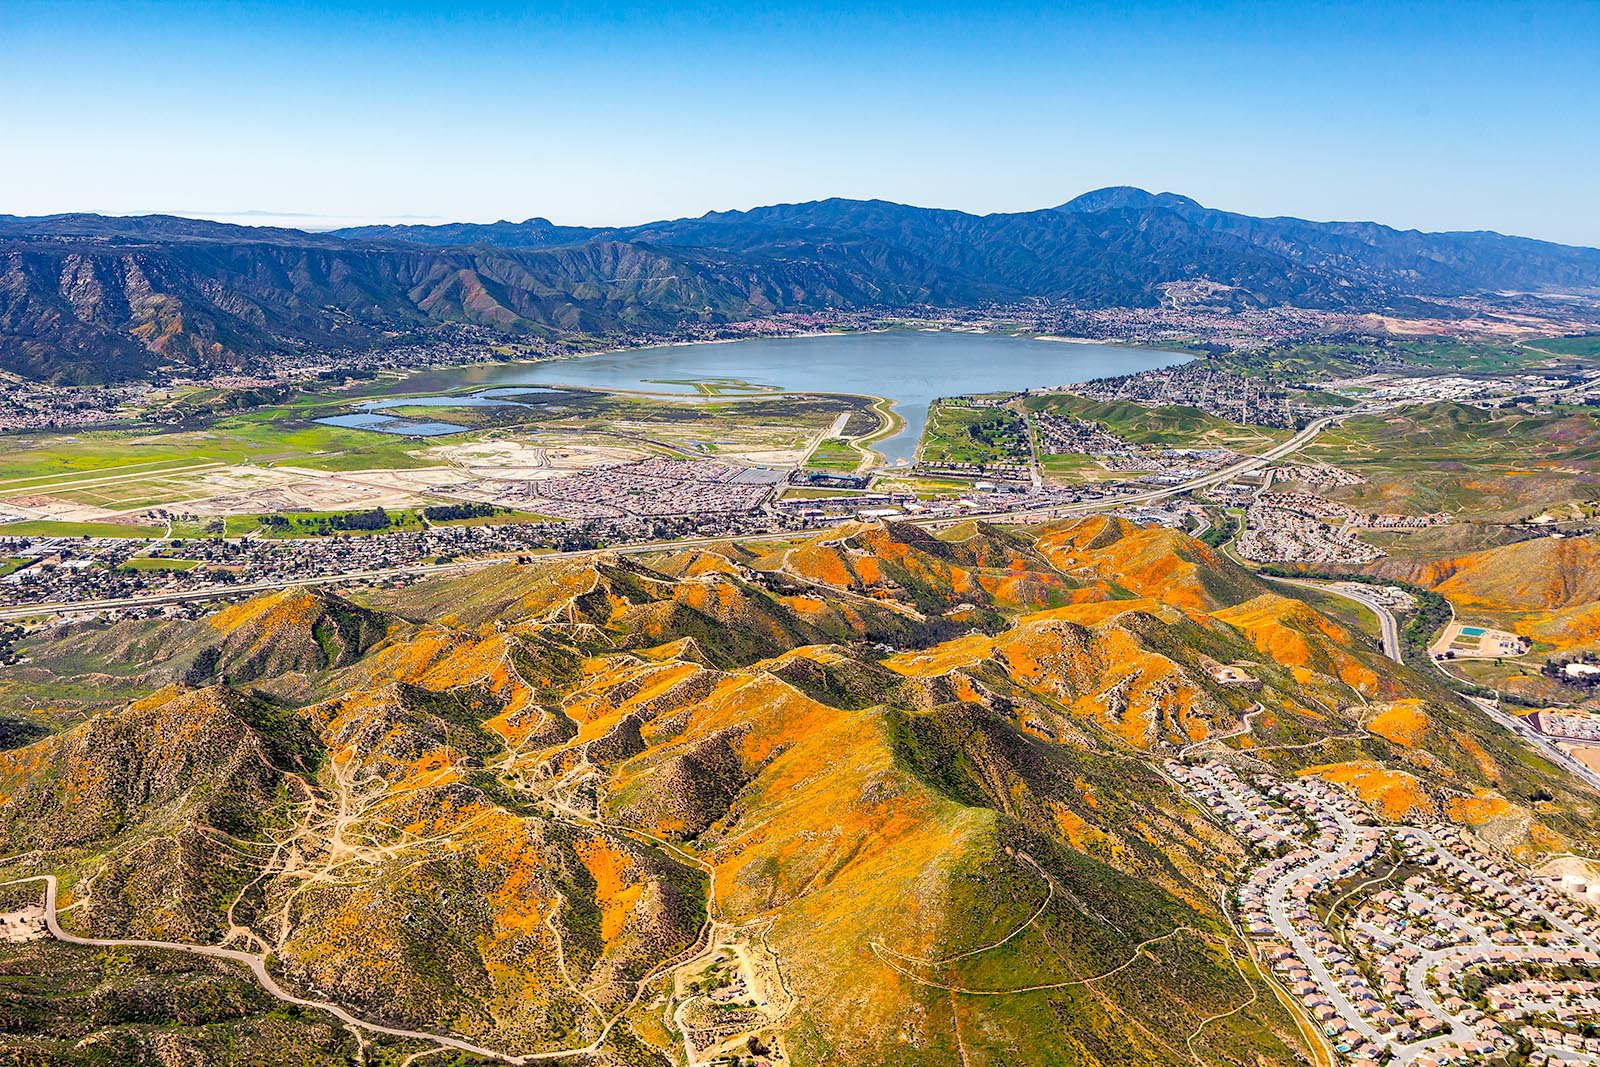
90	297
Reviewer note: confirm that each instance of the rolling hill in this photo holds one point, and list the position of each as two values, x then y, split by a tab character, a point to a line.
1547	588
910	787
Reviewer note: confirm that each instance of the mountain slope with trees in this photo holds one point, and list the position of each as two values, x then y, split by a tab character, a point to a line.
93	298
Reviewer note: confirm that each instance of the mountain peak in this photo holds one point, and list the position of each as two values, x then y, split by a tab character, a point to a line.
1113	197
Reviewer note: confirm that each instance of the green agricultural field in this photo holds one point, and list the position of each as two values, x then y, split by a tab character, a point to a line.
159	563
138	491
51	528
1299	363
128	470
1584	347
956	433
834	454
1464	355
1326	399
331	523
291	524
1167	426
1314	362
333	448
124	468
804	493
30	462
1074	466
924	487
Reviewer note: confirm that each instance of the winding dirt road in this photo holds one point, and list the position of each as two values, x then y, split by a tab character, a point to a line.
258	966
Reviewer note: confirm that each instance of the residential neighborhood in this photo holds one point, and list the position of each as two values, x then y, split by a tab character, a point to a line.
1405	944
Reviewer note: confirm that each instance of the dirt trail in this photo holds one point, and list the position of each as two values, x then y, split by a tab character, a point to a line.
1050	894
330	825
258	966
887	956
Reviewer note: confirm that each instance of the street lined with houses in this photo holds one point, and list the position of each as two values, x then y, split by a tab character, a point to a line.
1405	944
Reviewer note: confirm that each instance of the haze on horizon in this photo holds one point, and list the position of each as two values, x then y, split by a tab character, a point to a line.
1430	116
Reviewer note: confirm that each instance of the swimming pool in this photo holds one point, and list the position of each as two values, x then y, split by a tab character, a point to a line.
1472	631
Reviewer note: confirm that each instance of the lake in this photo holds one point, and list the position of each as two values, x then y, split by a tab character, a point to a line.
390	424
910	367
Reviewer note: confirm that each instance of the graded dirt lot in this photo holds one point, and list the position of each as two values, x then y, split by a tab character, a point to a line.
476	470
541	456
1467	641
213	490
1588	755
281	460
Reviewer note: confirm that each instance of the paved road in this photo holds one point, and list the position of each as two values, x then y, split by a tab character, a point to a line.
197	596
1278	911
1515	723
414	570
1350	841
1415	973
1521	727
1386	619
1462	863
1416	984
1545	746
1205	481
1388	625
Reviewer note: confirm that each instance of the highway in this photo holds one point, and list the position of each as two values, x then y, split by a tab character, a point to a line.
1520	726
197	596
1391	648
1204	481
1388	625
1544	745
416	570
1386	620
1515	723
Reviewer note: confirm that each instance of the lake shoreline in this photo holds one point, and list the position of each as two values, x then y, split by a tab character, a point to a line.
905	368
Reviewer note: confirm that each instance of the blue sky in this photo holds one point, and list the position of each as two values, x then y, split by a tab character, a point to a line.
1437	116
